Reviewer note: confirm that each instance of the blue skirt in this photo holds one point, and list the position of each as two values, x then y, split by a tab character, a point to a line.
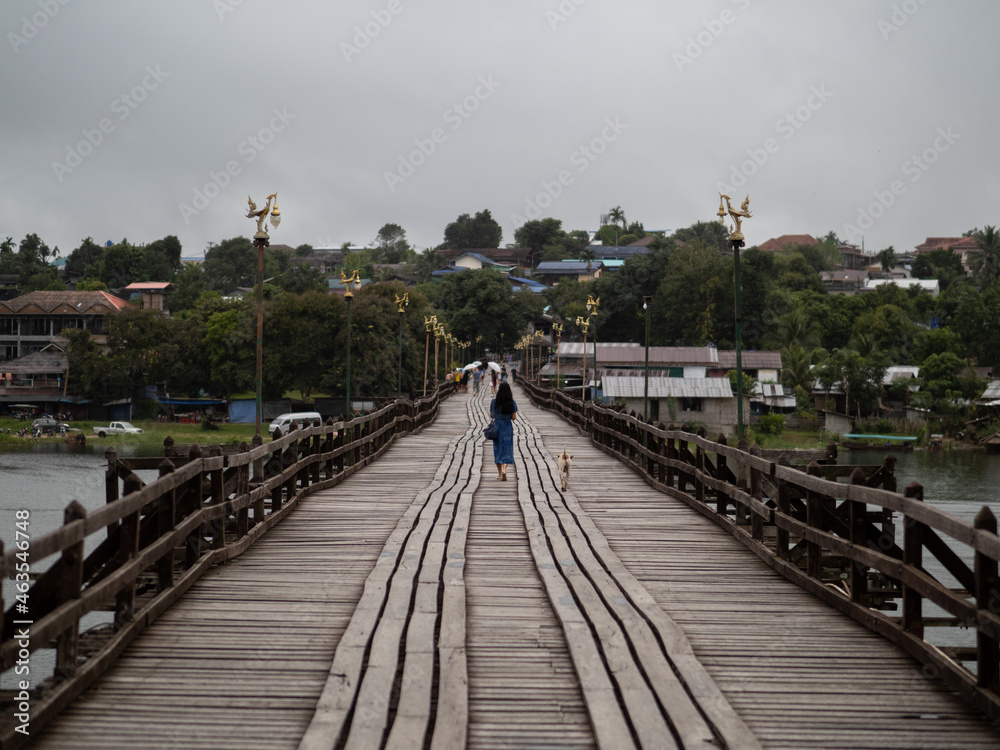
503	446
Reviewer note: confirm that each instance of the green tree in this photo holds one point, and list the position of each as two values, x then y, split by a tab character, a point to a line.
482	303
469	232
617	216
425	263
85	260
303	331
709	233
232	263
227	342
190	284
162	259
685	306
986	262
887	259
943	264
123	264
391	245
538	234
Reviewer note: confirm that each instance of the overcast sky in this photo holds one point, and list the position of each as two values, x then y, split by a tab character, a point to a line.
134	119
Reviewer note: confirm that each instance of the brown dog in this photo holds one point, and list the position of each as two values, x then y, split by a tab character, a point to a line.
564	461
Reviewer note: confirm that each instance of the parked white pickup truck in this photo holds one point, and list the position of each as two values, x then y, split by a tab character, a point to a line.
118	428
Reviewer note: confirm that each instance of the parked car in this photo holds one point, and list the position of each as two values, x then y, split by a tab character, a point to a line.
118	428
47	426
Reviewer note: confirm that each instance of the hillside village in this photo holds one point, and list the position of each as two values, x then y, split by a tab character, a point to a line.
835	337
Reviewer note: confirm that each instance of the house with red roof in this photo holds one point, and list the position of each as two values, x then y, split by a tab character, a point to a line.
31	322
786	241
961	245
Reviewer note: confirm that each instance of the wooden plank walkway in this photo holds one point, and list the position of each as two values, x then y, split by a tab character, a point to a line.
421	601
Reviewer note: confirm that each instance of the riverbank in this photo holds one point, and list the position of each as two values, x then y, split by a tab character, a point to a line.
154	433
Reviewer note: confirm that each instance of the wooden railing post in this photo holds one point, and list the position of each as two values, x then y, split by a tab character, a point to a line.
814	512
913	559
192	504
757	493
857	512
785	507
987	598
217	480
166	521
242	490
258	479
722	466
743	512
338	444
317	448
128	548
70	587
288	459
111	480
699	465
670	451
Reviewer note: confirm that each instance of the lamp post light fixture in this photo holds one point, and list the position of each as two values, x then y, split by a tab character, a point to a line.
402	303
260	241
645	388
539	336
429	324
592	305
349	281
557	329
737	241
584	324
438	333
645	392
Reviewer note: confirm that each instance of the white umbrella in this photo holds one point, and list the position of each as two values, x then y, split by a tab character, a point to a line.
473	366
493	366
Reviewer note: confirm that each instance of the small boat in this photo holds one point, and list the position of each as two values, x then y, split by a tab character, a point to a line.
859	442
77	438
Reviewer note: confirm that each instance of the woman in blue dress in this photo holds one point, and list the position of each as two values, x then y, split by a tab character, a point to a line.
503	409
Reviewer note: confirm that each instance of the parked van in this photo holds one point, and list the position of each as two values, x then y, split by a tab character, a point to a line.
284	421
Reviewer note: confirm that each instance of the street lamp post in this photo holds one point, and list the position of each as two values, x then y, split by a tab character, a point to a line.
438	333
645	390
401	302
737	241
557	329
429	323
585	324
347	281
538	365
260	241
592	305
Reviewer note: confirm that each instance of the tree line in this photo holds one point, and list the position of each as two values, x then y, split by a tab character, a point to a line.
207	345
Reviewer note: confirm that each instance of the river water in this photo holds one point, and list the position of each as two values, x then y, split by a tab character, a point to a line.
48	475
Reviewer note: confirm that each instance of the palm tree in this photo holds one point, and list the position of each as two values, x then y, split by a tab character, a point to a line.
865	343
795	328
887	258
617	216
796	366
986	264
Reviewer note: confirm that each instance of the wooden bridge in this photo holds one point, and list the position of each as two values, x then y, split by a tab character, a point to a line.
416	601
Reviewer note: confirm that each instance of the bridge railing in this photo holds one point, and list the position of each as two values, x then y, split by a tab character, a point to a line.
837	539
150	542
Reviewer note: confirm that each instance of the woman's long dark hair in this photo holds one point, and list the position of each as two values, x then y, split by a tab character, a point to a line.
505	399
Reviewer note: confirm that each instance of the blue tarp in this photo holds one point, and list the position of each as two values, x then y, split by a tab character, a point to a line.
243	411
192	401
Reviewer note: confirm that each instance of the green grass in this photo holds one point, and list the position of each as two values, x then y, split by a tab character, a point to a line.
154	433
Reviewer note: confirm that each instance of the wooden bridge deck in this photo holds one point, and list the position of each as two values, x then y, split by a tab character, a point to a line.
609	615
